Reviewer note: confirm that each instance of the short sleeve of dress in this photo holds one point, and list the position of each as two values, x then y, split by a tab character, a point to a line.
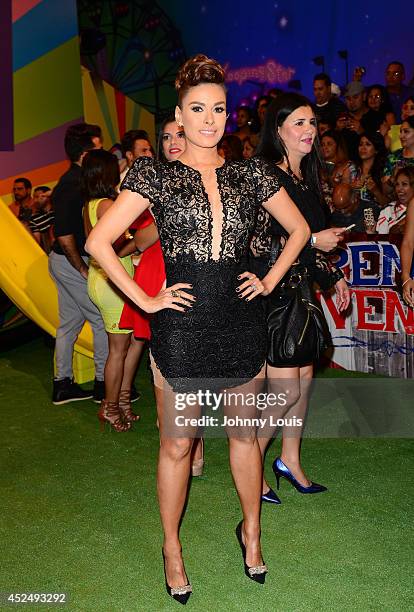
264	177
144	177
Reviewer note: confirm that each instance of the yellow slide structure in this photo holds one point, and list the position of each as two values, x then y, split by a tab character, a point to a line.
24	277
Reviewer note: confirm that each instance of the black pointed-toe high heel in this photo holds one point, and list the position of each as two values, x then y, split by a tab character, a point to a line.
281	470
270	497
256	572
181	593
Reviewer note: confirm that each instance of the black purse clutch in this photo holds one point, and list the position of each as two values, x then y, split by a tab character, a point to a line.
297	330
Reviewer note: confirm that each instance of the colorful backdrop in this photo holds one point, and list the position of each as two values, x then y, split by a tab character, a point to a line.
43	91
47	89
40	63
291	34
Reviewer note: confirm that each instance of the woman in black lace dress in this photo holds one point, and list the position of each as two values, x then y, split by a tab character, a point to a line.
288	143
207	324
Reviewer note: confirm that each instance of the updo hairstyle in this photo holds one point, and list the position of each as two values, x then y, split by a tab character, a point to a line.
196	70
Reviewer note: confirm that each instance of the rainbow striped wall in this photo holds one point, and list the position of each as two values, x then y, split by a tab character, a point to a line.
112	110
46	87
6	78
51	91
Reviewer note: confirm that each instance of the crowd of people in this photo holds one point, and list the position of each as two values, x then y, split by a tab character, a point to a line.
366	136
209	250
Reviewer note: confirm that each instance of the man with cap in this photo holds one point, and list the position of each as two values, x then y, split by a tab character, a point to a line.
355	102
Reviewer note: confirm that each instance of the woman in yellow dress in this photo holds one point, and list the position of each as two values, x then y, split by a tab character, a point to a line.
100	175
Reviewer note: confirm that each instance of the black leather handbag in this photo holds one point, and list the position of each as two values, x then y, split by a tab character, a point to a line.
297	329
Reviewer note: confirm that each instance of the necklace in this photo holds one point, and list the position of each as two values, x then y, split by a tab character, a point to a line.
298	181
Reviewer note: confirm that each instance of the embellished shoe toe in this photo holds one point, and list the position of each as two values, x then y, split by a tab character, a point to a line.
179	593
257	573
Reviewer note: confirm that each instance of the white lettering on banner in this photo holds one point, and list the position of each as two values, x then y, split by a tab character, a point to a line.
376	334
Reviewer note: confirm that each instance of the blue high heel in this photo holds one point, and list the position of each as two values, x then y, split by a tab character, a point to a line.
270	497
280	469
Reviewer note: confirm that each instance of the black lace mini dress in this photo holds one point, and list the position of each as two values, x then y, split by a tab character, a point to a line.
221	336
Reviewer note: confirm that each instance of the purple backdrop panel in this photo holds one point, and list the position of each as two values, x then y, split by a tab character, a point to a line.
6	77
42	150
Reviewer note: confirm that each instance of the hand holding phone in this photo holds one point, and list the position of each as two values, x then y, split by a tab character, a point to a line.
341	230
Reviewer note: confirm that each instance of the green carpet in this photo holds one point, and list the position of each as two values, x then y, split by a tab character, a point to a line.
79	513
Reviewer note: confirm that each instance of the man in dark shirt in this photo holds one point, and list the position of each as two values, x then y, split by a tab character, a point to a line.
355	100
327	106
22	205
68	268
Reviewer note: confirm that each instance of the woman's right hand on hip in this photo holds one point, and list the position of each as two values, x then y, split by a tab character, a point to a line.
173	297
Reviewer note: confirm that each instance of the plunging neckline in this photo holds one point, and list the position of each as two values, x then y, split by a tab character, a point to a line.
217	171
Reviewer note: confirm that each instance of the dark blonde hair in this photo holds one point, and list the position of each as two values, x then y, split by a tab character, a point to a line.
196	70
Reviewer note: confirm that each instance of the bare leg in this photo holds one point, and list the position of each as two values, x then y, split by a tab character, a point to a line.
114	367
279	380
246	467
292	436
197	452
172	482
263	444
135	350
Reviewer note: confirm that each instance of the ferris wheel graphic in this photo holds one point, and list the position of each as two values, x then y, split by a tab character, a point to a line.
133	45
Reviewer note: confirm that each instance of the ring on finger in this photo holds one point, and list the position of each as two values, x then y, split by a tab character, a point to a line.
175	293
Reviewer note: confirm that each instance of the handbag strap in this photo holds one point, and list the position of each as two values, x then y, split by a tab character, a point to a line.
297	270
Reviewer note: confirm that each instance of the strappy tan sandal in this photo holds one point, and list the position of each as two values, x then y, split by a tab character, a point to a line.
125	406
111	414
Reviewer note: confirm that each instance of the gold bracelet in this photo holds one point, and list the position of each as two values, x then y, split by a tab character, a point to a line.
406	281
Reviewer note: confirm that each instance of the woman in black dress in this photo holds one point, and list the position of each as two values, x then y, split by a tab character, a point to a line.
205	211
288	142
